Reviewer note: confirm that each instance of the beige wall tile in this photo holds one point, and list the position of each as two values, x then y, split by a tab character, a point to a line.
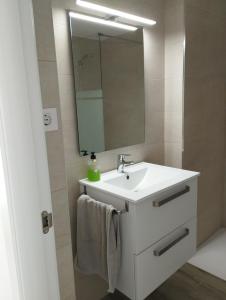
66	272
154	53
209	196
155	122
62	42
173	155
207	33
174	21
204	109
174	95
68	113
174	59
44	30
67	94
215	8
49	84
155	93
208	223
173	127
157	154
203	153
56	163
174	71
61	218
71	140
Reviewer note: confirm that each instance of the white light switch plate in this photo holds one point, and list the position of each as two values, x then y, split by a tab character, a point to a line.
50	119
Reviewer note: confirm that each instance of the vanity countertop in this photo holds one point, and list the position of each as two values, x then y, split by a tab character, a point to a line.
140	181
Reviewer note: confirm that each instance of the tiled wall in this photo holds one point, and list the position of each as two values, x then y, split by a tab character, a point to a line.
174	74
204	107
153	150
50	98
202	84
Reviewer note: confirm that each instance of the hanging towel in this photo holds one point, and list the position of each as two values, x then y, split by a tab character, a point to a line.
98	240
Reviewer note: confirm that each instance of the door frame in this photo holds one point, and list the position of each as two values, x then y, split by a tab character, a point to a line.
24	153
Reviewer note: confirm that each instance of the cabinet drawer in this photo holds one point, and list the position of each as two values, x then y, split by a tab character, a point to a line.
160	261
156	217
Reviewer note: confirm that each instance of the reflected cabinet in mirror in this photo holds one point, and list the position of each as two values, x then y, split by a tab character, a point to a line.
109	83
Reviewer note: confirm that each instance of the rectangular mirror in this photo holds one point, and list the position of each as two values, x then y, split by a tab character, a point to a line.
109	81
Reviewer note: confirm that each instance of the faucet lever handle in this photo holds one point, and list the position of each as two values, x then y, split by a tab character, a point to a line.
122	157
121	163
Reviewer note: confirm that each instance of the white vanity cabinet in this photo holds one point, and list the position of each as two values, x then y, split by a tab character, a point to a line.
155	218
158	232
158	262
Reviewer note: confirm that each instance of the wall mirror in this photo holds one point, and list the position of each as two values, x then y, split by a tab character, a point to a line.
109	82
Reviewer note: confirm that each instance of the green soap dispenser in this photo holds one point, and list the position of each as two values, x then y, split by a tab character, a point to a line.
93	173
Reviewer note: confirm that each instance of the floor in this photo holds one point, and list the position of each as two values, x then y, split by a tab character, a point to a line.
211	256
189	283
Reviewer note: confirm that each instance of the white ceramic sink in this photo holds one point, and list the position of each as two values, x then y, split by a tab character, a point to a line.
129	181
140	181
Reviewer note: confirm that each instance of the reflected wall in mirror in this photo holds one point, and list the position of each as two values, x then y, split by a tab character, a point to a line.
109	82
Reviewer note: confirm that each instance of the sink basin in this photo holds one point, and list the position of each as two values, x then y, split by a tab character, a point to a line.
140	180
130	180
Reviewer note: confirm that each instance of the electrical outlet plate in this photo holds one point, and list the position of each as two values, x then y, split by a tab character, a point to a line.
50	119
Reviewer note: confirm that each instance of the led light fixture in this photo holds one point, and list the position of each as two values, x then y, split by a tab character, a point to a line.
114	12
102	21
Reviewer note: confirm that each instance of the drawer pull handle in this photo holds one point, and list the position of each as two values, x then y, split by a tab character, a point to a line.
161	251
158	203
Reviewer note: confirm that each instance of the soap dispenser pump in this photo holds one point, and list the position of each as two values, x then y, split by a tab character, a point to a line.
93	173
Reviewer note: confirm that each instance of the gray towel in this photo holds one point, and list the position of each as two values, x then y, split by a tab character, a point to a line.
98	240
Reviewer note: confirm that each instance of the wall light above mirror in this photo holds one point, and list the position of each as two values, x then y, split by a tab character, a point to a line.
115	13
101	21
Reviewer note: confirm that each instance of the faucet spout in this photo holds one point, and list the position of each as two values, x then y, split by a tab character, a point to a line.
122	163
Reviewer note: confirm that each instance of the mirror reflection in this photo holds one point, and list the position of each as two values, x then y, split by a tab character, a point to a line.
109	82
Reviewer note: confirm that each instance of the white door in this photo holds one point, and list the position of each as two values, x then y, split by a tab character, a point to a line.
23	155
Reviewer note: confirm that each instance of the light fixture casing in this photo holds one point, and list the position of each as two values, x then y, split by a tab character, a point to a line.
115	12
110	23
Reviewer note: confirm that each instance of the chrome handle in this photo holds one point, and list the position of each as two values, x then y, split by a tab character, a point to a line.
122	156
158	203
161	251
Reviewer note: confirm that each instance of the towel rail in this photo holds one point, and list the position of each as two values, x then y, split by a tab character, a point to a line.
119	212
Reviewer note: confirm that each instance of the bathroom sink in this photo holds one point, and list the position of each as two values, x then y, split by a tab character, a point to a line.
130	180
140	181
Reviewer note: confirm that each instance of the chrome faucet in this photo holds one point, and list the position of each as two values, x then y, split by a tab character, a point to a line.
122	163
